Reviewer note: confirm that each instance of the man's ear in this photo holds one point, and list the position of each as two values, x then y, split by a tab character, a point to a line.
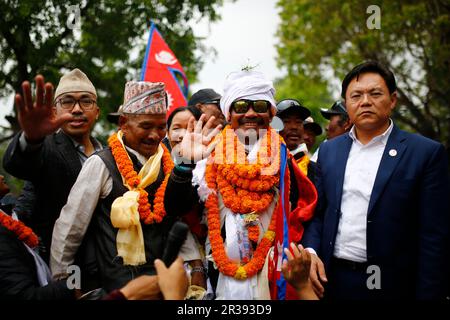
273	112
123	122
199	106
347	125
393	100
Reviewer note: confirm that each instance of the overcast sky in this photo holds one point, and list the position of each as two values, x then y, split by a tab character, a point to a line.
246	32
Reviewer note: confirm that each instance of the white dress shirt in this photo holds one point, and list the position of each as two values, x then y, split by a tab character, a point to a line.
360	173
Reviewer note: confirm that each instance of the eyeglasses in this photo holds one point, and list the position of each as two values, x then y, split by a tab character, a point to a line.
85	103
243	105
287	103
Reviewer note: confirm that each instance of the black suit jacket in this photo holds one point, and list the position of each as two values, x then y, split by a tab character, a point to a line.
18	277
53	169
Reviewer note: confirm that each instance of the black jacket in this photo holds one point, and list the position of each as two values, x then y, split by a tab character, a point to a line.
18	275
53	169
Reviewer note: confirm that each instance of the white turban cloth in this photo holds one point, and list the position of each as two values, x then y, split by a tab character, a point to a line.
251	85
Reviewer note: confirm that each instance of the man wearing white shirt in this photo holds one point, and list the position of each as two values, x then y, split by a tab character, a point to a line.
381	225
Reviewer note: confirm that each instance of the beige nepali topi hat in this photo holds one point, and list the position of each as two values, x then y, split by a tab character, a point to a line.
75	81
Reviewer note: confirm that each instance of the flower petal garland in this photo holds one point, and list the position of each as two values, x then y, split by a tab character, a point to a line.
245	190
127	171
245	187
22	232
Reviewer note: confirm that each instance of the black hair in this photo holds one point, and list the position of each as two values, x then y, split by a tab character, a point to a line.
370	66
195	112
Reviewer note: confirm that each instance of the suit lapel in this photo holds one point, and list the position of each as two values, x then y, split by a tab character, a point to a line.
69	153
392	154
342	153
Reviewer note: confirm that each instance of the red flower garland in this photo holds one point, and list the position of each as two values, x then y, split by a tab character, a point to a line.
22	232
127	171
245	191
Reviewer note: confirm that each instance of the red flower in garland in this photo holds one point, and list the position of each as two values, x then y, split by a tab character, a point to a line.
127	171
244	190
22	232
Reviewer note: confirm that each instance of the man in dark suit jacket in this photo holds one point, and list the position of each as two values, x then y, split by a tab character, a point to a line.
381	228
52	159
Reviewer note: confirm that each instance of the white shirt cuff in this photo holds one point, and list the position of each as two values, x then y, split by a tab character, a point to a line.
25	146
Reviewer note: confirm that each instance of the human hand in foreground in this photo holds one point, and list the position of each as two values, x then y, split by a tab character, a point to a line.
172	281
38	118
296	271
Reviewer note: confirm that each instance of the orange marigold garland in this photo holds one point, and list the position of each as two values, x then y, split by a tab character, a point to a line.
127	171
22	232
245	190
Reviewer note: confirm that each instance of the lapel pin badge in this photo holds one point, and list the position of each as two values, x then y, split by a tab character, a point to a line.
392	152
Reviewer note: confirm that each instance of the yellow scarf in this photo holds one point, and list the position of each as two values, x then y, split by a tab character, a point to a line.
303	163
125	214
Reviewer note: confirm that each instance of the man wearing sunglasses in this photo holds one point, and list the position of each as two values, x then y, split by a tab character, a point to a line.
54	143
245	188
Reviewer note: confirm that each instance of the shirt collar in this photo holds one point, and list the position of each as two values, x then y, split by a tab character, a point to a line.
301	148
383	138
78	146
139	156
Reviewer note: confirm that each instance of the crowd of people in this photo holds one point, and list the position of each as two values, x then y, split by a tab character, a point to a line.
267	217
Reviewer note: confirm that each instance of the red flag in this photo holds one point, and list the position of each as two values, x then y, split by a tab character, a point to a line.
161	65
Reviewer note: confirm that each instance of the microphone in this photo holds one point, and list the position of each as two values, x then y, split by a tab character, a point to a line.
176	238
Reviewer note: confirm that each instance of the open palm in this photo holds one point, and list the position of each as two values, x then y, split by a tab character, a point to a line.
37	119
196	144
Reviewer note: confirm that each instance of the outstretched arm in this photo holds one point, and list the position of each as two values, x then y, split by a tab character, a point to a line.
25	154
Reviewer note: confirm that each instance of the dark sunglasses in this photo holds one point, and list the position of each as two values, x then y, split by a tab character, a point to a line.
243	105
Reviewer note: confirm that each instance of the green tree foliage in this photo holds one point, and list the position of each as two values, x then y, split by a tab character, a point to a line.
36	37
413	41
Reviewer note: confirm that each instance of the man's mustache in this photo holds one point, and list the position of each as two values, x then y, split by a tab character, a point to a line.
246	120
79	117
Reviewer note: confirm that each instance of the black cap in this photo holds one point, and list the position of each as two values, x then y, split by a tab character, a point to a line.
337	108
204	96
113	117
291	105
313	126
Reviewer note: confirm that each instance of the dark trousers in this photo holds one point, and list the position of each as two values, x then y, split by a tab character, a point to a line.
348	281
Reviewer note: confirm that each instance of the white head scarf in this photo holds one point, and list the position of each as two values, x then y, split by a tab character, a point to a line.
250	85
